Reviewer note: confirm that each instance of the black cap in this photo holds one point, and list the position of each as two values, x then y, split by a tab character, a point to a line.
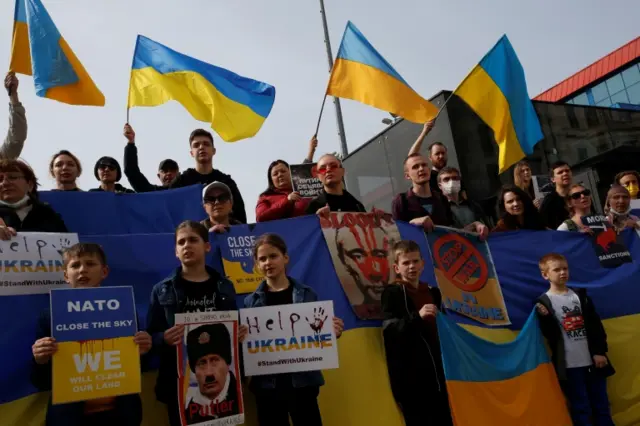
108	161
208	339
168	164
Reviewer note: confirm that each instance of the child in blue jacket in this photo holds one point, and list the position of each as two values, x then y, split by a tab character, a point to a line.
279	396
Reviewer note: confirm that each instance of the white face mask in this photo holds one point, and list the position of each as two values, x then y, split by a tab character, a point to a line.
451	188
617	213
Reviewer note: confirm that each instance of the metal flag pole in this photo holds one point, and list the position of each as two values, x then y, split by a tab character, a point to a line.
336	101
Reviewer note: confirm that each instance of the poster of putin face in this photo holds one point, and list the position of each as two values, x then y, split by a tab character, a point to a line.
209	386
360	246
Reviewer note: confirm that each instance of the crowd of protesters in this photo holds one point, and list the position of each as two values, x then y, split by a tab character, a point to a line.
436	197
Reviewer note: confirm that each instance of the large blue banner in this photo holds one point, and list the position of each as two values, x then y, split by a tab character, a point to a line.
143	259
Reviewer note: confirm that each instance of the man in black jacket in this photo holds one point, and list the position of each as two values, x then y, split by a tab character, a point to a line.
167	170
578	342
202	150
411	342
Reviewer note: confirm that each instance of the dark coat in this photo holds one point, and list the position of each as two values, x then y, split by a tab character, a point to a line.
321	201
41	218
596	335
413	363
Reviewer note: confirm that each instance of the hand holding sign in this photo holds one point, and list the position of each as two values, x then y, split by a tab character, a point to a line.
43	349
338	326
173	336
143	340
294	197
428	311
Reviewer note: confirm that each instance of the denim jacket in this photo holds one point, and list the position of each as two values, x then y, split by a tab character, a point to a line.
301	294
168	299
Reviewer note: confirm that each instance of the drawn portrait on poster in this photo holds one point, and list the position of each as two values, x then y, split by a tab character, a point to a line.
360	245
209	383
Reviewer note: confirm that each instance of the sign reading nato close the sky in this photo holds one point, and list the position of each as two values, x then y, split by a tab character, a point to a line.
96	356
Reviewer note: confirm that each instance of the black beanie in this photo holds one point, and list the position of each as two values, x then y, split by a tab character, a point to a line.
110	161
206	340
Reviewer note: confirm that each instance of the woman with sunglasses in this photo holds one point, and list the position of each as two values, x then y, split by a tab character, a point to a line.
517	211
108	172
65	168
579	205
217	200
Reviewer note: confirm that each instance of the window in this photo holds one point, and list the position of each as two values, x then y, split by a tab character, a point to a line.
599	92
615	84
631	75
581	99
634	94
606	102
620	97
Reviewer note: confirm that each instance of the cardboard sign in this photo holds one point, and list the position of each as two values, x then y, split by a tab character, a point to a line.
209	382
466	276
31	263
96	357
289	338
236	249
304	180
608	245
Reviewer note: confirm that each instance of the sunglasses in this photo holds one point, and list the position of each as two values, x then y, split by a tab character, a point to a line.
328	167
107	167
577	195
211	199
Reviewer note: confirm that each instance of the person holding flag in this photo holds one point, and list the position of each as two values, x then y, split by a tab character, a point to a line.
17	133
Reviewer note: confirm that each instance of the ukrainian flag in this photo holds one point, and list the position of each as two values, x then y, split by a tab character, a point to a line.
235	106
39	50
360	73
500	384
496	90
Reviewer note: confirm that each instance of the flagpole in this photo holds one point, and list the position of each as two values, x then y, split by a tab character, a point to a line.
336	102
324	100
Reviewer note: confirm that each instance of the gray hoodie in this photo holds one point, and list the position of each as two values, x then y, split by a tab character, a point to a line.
16	135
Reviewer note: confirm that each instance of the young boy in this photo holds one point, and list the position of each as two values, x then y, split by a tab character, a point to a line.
578	344
411	341
85	266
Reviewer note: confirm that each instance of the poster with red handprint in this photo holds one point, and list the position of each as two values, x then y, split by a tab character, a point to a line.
289	338
607	243
360	246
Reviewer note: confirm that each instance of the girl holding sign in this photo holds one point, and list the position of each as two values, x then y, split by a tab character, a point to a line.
295	394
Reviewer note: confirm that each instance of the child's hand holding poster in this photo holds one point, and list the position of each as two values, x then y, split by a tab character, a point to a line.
210	388
289	338
97	356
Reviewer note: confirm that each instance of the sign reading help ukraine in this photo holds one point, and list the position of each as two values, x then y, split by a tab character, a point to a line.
236	249
466	276
96	356
360	246
31	263
289	338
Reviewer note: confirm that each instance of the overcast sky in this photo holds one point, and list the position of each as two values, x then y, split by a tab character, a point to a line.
432	44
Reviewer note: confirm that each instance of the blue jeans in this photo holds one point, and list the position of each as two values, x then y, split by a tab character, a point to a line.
587	395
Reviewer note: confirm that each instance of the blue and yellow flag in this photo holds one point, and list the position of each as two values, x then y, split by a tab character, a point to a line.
496	90
360	73
235	106
500	384
39	50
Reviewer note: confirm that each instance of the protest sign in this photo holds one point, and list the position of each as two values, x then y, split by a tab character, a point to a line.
466	276
96	357
31	263
360	246
304	180
236	250
608	245
209	383
289	338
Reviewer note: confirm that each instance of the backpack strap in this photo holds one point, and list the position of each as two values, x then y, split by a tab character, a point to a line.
571	225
